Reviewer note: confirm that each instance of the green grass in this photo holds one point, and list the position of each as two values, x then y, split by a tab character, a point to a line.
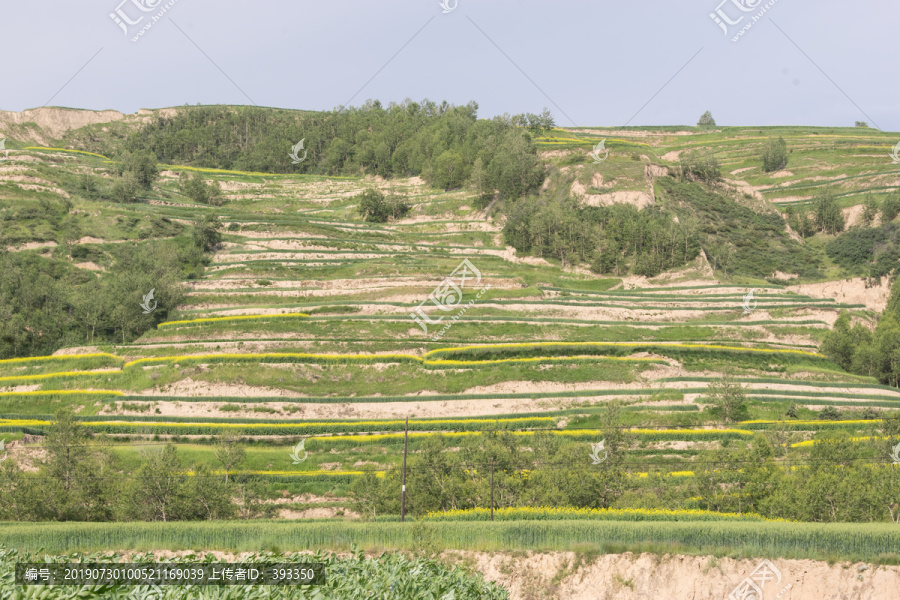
851	542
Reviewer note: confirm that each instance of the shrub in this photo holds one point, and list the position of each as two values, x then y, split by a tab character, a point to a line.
890	208
774	155
141	165
375	207
125	189
827	214
701	166
206	234
195	187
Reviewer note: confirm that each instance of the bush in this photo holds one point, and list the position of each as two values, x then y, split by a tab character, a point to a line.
125	189
206	234
829	413
890	208
774	155
827	214
196	188
142	165
375	207
700	166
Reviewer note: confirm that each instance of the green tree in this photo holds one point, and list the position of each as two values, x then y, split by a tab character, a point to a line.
196	188
870	210
158	488
774	155
702	166
375	207
207	496
728	398
861	124
448	171
890	208
66	443
706	120
141	165
125	189
827	214
229	451
841	343
206	234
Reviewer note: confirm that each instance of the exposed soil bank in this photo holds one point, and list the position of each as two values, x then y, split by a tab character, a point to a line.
567	576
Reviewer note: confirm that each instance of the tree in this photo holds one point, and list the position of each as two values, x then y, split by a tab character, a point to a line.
890	208
125	189
197	189
448	171
800	221
67	446
703	166
206	234
774	155
870	210
841	342
728	397
229	451
614	437
207	496
158	486
861	124
375	207
706	120
826	213
141	165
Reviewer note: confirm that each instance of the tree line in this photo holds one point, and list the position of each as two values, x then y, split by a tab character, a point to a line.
447	145
838	480
82	479
614	239
47	303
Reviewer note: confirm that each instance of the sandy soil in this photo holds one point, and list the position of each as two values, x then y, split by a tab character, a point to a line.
562	576
31	246
636	198
850	291
671	156
853	215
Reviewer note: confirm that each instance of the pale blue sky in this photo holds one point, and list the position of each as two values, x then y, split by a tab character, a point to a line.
590	62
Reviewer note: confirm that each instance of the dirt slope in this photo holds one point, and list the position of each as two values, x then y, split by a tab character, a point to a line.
560	575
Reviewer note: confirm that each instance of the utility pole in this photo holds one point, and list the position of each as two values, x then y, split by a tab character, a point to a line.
492	488
403	489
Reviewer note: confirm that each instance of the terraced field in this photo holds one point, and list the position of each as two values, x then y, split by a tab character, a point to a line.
311	324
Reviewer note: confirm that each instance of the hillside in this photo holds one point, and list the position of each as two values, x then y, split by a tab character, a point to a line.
517	313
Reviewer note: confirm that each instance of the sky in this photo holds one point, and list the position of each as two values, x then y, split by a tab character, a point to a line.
592	63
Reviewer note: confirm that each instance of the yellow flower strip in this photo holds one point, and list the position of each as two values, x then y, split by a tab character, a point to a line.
626	344
810	443
64	150
231	318
672	474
